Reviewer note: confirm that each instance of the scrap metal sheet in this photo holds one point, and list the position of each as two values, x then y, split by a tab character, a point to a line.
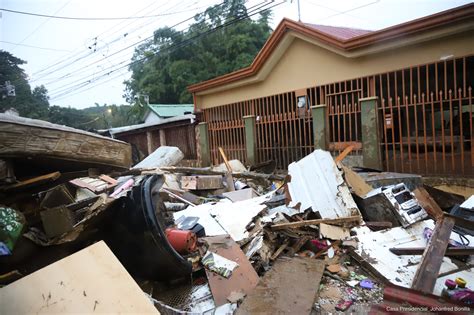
316	182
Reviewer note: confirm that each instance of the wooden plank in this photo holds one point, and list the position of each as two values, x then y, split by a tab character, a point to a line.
357	184
455	251
201	182
228	176
33	182
427	272
425	200
66	287
315	222
286	288
243	278
344	153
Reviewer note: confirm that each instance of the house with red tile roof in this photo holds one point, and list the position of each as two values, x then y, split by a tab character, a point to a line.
417	76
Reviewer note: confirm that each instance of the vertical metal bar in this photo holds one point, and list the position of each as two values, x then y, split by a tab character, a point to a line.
445	78
403	85
451	130
419	81
464	76
387	160
455	77
424	131
443	149
394	148
461	131
433	131
287	125
415	109
411	91
400	132
427	80
436	81
470	126
408	128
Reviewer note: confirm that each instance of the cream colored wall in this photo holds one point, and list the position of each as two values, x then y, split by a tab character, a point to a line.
306	65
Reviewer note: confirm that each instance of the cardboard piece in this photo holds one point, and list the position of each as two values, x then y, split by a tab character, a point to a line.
89	281
333	232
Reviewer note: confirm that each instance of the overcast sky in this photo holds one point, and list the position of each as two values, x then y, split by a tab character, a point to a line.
84	62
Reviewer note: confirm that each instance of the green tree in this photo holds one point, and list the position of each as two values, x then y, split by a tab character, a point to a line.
165	66
27	103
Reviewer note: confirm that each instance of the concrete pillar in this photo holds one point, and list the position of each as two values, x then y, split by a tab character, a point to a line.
319	126
204	144
250	139
370	133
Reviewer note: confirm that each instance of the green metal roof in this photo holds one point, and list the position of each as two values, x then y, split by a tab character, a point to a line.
171	110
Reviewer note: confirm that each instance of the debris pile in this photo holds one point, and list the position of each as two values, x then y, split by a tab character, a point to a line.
226	239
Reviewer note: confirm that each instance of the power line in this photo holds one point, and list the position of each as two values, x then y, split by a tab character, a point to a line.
89	19
65	87
123	49
31	46
41	25
102	59
62	94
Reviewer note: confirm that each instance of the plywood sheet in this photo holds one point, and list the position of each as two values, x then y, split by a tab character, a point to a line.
243	279
290	287
89	281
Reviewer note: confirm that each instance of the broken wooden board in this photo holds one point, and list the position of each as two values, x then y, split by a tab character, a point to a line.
290	287
32	182
427	272
67	286
315	222
243	278
201	182
357	184
428	203
31	138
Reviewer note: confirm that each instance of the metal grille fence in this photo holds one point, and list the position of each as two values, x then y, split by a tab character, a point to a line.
426	116
425	120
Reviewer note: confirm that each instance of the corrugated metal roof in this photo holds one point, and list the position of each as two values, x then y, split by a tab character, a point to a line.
316	182
119	130
171	110
339	32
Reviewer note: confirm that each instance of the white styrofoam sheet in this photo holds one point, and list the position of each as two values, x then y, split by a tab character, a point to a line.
469	203
400	270
227	217
317	182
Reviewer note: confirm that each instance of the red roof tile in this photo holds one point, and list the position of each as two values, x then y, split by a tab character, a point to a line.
343	33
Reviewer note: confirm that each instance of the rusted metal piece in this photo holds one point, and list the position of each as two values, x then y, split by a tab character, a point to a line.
395	297
273	296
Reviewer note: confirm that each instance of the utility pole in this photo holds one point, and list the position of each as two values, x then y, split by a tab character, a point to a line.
299	11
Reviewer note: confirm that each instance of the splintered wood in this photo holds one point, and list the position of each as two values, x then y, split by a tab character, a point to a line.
285	289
